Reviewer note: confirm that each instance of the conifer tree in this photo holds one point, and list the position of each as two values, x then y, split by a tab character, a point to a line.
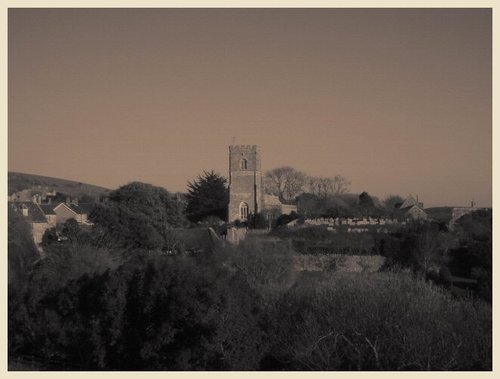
207	196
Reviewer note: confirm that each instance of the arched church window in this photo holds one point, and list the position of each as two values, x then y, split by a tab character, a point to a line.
243	211
243	164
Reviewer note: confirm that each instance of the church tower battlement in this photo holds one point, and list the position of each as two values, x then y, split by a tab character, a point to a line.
246	190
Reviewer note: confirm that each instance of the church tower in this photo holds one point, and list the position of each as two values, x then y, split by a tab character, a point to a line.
246	192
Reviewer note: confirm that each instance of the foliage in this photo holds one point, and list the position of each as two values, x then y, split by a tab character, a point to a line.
151	312
286	218
418	246
473	257
268	268
392	202
207	197
381	321
138	215
366	203
22	252
22	255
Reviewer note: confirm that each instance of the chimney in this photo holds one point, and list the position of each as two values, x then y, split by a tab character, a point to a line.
472	204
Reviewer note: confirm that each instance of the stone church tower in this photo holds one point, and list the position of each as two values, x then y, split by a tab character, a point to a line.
246	190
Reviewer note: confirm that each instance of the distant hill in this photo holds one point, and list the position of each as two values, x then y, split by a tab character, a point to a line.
18	181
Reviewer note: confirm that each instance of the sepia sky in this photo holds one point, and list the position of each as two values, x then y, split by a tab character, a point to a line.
396	100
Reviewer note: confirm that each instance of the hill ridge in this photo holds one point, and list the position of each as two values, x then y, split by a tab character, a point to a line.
18	181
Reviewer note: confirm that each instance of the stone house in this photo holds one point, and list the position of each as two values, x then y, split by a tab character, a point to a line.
34	216
66	211
412	209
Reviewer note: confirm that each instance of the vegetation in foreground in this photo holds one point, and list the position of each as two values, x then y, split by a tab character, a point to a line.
90	307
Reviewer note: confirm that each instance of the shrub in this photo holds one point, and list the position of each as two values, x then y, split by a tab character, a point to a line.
382	321
268	268
151	312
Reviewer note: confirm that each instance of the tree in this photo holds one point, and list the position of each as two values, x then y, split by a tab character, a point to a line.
139	215
309	205
392	202
325	186
207	196
285	182
365	200
22	251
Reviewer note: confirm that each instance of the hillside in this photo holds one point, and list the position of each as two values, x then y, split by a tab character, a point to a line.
18	181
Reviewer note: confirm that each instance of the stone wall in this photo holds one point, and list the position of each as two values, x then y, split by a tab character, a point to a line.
338	262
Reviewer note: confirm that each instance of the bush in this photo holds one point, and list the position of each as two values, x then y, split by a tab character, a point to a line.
268	268
382	321
152	312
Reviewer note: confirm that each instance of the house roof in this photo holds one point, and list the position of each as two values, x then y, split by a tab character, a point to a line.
409	202
48	209
35	214
196	239
80	209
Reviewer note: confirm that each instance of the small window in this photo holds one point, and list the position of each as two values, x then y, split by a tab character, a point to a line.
243	211
243	164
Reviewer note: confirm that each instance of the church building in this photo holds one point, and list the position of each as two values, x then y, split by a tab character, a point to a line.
246	185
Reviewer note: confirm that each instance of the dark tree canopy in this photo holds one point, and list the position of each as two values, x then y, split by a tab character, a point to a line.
365	200
139	215
392	202
207	196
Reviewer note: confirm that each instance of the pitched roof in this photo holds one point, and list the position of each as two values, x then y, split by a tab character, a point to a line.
35	214
80	209
48	209
409	202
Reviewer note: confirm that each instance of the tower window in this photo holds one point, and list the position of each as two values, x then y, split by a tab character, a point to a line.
243	211
243	164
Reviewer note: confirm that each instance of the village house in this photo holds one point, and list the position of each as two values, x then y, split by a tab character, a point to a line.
44	216
411	208
66	211
34	216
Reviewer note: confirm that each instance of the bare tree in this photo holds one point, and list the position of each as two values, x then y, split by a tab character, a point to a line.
326	186
285	182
